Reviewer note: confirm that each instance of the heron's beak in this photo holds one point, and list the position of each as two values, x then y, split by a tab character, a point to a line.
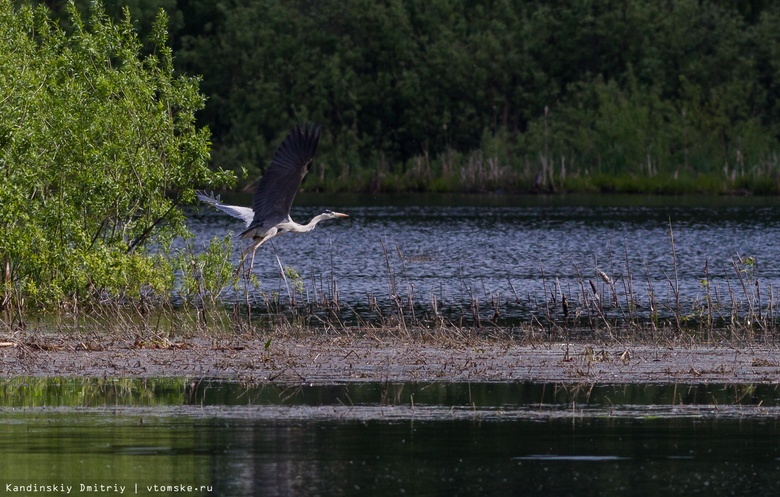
339	214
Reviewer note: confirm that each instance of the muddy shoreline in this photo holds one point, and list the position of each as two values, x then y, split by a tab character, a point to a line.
321	359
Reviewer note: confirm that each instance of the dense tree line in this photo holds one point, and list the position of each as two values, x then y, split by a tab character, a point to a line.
455	94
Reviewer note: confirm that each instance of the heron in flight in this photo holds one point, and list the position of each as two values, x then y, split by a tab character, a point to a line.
270	212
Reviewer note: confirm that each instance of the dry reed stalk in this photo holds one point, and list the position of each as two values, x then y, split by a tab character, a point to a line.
613	290
585	300
475	312
628	287
334	289
394	297
544	289
676	285
710	321
390	274
750	320
283	276
409	285
599	308
771	309
734	316
514	291
652	304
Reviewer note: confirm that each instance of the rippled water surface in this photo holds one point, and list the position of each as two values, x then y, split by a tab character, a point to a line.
519	251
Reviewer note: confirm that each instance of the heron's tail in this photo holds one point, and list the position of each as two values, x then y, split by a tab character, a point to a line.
208	198
244	213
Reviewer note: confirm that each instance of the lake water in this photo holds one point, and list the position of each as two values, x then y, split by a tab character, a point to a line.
513	258
161	437
501	259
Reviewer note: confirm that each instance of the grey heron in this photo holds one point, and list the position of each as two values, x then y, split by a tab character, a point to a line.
273	198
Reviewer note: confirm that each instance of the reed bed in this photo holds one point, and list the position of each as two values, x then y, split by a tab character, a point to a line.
616	303
621	303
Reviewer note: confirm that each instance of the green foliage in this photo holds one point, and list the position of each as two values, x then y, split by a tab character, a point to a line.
294	279
92	138
573	89
205	274
569	89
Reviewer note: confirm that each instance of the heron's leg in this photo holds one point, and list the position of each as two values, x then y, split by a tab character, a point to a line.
253	249
244	255
240	266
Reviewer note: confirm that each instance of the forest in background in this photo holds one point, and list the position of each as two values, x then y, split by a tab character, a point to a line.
526	95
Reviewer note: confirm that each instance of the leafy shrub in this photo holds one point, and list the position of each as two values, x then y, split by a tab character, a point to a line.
93	138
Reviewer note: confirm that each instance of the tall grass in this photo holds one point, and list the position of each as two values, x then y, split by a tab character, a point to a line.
483	171
609	302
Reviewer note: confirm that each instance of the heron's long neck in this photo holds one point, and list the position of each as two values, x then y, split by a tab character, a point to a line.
303	228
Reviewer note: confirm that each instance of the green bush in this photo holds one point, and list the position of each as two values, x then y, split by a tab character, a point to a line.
93	138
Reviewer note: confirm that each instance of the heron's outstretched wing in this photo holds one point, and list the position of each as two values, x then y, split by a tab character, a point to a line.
277	188
244	213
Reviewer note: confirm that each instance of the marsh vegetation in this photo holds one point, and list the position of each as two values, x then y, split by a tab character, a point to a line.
103	146
552	269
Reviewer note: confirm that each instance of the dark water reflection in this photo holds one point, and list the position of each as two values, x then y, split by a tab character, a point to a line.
229	439
511	253
24	392
594	457
474	396
239	457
